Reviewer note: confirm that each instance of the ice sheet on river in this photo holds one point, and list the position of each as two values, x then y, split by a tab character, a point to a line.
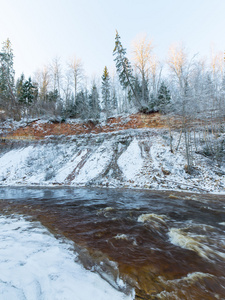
35	265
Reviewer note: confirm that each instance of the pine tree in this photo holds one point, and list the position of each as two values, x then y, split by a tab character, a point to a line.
106	91
7	72
124	69
26	91
19	89
81	109
94	106
163	97
53	96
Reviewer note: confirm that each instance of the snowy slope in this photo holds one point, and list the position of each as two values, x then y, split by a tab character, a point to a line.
129	158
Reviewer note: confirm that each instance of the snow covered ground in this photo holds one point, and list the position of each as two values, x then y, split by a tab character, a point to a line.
135	158
35	265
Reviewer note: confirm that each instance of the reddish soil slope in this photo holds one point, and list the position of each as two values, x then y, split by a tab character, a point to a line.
39	130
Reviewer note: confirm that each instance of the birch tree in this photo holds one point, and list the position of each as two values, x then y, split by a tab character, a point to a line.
180	67
142	50
76	69
56	74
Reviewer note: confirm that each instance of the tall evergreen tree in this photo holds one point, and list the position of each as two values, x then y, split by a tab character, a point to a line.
81	109
124	69
7	72
94	106
106	91
19	88
26	91
163	97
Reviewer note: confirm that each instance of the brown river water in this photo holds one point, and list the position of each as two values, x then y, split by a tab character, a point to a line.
167	245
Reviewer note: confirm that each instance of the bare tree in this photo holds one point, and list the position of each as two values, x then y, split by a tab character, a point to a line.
45	79
67	90
180	66
142	49
76	68
56	72
155	72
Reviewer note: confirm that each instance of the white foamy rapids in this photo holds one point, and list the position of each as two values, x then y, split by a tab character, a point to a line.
195	243
35	265
121	237
190	278
152	218
182	285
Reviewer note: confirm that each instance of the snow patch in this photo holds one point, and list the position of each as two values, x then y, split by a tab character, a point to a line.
10	163
95	165
68	168
130	162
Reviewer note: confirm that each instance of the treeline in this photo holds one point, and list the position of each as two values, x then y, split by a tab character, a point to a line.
188	87
66	92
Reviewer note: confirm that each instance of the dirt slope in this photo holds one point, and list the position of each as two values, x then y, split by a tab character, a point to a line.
39	129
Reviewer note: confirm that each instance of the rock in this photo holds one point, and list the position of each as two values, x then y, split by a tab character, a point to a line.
165	172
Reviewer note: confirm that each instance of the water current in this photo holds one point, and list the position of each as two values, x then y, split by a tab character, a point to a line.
165	245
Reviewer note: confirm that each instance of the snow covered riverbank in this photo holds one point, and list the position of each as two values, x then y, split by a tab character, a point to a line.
135	158
36	265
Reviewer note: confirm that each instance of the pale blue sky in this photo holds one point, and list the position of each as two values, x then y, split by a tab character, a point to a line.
40	30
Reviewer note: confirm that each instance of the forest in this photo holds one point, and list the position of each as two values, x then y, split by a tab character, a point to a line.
188	88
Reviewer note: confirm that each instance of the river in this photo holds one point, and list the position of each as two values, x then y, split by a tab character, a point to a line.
165	245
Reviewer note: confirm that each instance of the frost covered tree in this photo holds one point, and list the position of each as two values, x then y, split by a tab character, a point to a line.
180	67
76	70
56	76
142	49
106	91
42	77
81	108
19	87
94	107
125	71
7	72
163	97
26	91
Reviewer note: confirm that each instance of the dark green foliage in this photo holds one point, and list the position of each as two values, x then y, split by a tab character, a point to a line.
53	96
137	87
80	109
163	97
19	88
94	107
106	91
124	70
123	65
26	91
114	99
160	103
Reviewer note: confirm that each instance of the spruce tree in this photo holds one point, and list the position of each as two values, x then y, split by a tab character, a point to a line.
81	108
163	97
26	91
94	103
124	69
106	91
20	89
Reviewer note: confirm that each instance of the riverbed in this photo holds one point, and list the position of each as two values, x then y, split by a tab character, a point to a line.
156	245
